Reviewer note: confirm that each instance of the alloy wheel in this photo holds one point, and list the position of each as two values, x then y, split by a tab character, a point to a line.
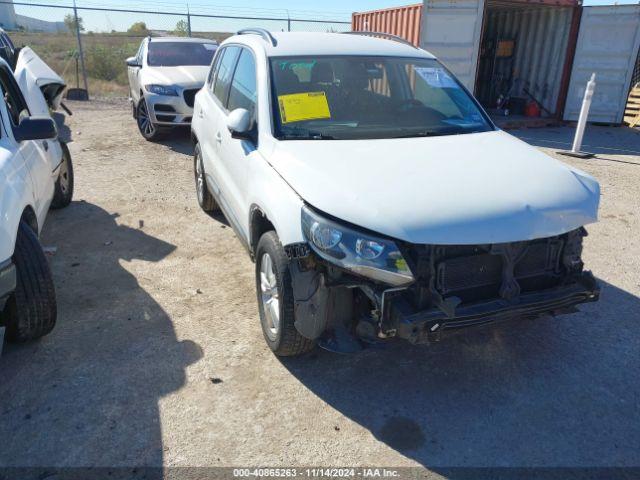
63	178
270	296
199	179
144	122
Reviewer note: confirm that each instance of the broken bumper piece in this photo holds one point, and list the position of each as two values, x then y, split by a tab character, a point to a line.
427	326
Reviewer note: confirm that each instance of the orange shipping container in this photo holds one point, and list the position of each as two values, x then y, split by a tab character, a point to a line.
404	22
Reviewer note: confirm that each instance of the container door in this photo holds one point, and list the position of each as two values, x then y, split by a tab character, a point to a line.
451	31
608	44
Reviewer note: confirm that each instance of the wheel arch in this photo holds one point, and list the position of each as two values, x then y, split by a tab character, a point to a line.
30	218
259	224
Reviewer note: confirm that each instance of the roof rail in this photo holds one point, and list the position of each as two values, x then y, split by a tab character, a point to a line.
387	36
264	33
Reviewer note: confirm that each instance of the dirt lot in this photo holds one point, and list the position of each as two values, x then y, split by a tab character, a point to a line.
158	358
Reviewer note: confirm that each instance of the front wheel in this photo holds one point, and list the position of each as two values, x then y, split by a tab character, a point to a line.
275	299
32	309
63	192
149	130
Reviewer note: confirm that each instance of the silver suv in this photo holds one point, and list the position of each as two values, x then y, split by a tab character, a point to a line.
164	77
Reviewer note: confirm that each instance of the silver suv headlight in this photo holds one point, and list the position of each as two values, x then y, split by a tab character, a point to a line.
162	90
362	253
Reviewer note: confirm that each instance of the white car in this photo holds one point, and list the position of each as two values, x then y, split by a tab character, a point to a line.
377	198
42	89
164	77
28	177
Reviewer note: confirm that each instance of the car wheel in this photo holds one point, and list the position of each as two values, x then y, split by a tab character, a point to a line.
205	198
275	299
32	309
63	192
149	130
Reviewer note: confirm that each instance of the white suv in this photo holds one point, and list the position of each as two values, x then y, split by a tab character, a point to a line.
29	183
164	77
377	198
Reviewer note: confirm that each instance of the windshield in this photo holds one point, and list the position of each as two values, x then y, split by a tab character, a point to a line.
176	54
357	97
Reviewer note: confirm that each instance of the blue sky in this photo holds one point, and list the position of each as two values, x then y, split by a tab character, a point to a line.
326	9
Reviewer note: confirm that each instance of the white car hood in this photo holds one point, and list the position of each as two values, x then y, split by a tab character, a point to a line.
187	76
459	189
34	77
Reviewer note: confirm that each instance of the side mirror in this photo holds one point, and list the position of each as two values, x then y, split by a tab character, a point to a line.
133	62
239	124
35	128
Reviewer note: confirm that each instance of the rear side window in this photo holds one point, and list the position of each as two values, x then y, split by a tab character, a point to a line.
243	86
213	70
224	73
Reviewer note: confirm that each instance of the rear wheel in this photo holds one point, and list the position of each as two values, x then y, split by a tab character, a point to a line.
149	130
205	199
31	311
63	193
275	299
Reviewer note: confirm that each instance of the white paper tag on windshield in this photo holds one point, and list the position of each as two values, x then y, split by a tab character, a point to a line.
210	46
436	77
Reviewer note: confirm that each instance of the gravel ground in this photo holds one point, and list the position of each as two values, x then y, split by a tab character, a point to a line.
158	357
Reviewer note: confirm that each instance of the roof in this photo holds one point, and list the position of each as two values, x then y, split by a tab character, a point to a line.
182	39
308	43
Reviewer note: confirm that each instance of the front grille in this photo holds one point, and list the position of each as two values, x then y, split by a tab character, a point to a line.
190	96
483	272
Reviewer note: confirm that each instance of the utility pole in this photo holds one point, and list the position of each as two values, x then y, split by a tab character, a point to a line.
188	21
288	21
84	70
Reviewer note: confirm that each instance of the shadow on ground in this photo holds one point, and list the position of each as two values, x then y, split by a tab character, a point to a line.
179	141
87	395
602	141
550	392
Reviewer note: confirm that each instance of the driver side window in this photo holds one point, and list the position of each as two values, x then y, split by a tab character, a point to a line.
16	104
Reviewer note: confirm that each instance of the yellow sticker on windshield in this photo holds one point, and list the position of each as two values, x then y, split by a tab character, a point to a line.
298	107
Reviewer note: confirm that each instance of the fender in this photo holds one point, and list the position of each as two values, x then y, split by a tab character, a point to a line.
14	200
268	192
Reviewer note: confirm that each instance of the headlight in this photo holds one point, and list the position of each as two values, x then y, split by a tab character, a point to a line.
162	90
361	253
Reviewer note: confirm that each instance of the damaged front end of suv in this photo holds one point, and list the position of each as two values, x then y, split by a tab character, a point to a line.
352	284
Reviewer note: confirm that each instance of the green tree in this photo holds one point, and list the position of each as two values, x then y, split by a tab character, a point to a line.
70	22
138	28
182	29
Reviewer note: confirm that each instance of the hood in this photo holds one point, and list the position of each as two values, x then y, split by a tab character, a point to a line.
41	86
460	189
186	76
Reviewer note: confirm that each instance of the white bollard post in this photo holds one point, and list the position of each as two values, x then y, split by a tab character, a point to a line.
584	114
576	148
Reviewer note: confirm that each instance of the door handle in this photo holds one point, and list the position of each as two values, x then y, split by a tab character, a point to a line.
45	144
219	137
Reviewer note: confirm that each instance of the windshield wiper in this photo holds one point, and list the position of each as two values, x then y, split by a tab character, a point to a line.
306	136
431	133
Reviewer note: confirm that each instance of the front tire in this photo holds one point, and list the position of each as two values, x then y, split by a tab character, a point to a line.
149	130
275	299
63	193
32	309
205	198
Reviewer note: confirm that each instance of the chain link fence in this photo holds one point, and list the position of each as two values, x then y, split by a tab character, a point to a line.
107	36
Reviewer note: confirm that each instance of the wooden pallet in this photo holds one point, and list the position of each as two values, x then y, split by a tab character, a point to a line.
632	113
